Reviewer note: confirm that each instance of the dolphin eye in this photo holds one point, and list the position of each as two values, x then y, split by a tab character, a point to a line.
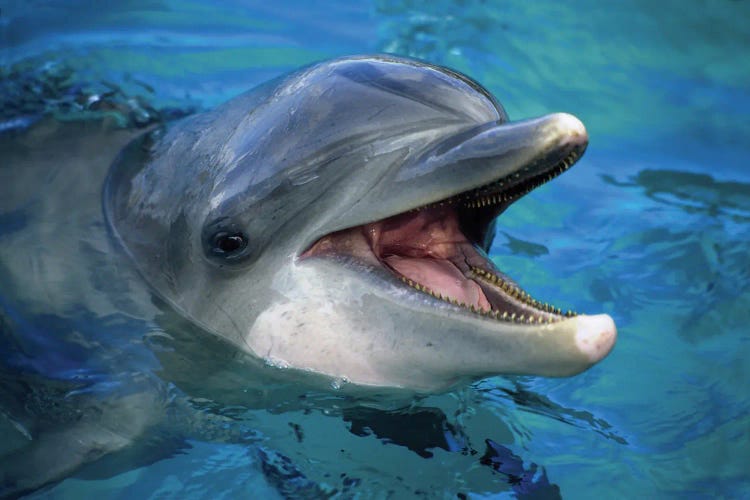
226	244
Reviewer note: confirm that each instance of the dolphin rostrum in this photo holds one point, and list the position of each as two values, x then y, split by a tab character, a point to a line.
337	221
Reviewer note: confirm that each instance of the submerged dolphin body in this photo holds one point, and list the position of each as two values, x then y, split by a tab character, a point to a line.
336	221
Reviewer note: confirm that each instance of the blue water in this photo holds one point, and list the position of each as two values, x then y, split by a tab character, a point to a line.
652	226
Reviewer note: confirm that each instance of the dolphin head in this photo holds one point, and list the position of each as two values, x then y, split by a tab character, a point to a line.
337	221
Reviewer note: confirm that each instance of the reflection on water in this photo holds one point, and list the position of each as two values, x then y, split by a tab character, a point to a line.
530	401
692	192
706	263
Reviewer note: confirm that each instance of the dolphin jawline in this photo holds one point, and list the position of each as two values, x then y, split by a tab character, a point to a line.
439	248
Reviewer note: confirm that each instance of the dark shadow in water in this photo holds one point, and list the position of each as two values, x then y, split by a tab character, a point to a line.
533	402
693	193
291	482
422	430
526	483
522	247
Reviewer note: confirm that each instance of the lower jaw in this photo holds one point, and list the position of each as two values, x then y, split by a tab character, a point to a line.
484	291
458	273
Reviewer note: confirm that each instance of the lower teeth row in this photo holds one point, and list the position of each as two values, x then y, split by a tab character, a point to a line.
517	293
499	315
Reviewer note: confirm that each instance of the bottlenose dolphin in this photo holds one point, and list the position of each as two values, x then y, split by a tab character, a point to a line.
334	222
337	220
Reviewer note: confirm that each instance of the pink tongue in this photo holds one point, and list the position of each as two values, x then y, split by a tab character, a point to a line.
442	277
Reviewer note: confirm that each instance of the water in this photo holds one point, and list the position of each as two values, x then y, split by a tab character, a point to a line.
652	227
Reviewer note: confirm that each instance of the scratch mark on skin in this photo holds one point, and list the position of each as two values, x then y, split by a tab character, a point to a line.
236	327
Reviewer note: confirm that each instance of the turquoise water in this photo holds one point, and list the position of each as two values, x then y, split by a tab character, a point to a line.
652	227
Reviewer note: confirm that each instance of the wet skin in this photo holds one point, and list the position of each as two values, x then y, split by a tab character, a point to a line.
337	221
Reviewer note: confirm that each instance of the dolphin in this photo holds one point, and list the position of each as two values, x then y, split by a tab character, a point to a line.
337	221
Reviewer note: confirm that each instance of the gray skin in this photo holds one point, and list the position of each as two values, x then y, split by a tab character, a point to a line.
330	147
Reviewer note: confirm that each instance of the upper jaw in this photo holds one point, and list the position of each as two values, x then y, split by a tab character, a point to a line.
473	162
459	166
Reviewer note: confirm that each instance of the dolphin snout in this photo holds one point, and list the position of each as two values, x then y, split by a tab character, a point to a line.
595	336
568	128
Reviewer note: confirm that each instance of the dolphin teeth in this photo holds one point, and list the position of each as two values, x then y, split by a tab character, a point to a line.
513	291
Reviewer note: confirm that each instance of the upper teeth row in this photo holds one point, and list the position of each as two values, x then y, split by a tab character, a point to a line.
504	197
469	200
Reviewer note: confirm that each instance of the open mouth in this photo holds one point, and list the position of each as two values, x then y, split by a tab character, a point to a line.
439	249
